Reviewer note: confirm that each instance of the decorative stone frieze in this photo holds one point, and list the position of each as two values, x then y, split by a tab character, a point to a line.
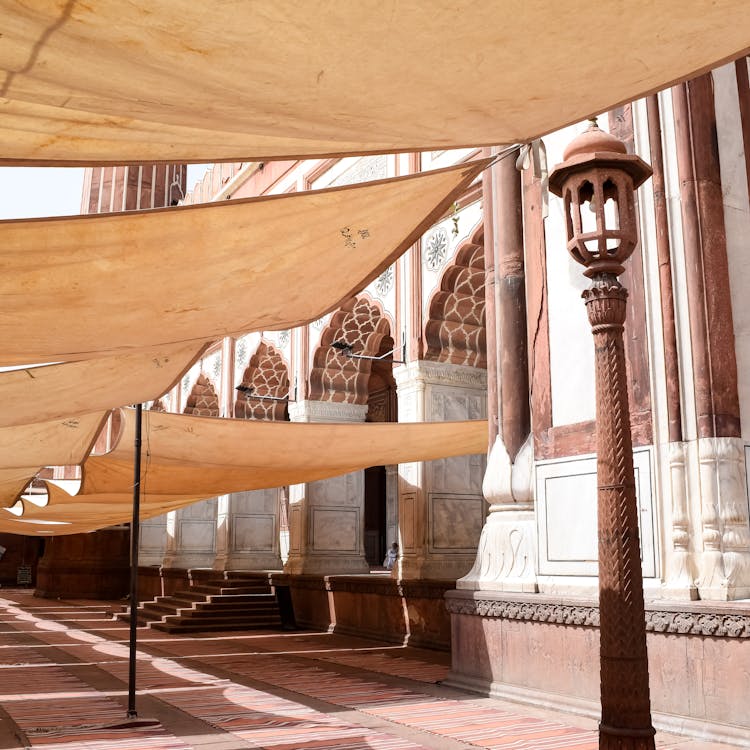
326	411
440	373
680	622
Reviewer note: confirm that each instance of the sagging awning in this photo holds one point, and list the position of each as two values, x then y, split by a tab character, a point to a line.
51	414
89	286
187	459
63	391
180	81
25	449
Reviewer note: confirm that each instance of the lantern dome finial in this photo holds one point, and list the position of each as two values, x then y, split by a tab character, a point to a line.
593	140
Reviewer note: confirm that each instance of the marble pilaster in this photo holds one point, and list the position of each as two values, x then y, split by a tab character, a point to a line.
326	518
153	540
247	531
441	507
191	536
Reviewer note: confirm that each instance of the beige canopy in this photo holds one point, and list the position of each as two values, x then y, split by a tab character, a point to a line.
41	394
51	414
104	284
25	449
55	443
174	80
13	481
191	458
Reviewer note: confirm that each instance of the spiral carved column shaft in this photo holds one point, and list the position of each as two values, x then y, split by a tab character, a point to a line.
626	715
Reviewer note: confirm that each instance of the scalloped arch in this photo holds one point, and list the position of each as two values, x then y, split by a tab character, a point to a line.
268	375
203	400
455	329
334	377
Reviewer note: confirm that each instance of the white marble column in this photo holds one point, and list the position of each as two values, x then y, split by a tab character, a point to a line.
441	507
191	536
506	556
153	540
326	518
724	567
247	531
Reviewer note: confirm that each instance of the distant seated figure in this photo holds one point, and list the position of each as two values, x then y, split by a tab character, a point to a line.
390	557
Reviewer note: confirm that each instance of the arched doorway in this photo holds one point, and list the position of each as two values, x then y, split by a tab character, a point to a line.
381	501
347	373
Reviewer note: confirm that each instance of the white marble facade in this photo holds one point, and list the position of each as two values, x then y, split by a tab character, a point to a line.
441	508
247	531
326	518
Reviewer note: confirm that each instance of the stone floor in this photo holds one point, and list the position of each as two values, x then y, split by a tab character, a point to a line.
63	686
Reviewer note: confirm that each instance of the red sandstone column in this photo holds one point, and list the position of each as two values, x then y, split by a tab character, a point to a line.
511	295
664	254
505	307
710	307
490	300
598	169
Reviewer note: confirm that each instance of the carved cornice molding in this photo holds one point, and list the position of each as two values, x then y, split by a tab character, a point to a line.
561	614
327	411
693	623
439	373
717	624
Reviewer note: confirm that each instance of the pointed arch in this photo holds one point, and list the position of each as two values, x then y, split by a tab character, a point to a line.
267	375
455	330
361	323
203	400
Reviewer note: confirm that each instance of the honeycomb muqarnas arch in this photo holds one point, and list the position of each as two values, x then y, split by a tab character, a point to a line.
455	329
203	400
361	323
266	374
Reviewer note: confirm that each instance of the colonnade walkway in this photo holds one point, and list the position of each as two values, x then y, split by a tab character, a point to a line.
63	686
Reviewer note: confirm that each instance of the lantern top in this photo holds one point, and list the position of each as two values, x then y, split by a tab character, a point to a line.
596	149
592	141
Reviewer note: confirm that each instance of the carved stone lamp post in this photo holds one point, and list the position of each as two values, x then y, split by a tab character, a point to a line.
597	181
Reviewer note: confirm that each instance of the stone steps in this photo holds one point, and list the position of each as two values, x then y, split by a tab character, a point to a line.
236	603
223	588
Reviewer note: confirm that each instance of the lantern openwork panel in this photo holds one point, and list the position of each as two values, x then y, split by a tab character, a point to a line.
597	182
600	218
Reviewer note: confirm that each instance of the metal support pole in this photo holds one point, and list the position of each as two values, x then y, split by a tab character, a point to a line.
134	539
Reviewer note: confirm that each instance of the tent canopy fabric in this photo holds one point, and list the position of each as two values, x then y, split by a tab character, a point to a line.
187	459
42	394
52	414
13	481
103	285
25	449
179	81
211	456
58	442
